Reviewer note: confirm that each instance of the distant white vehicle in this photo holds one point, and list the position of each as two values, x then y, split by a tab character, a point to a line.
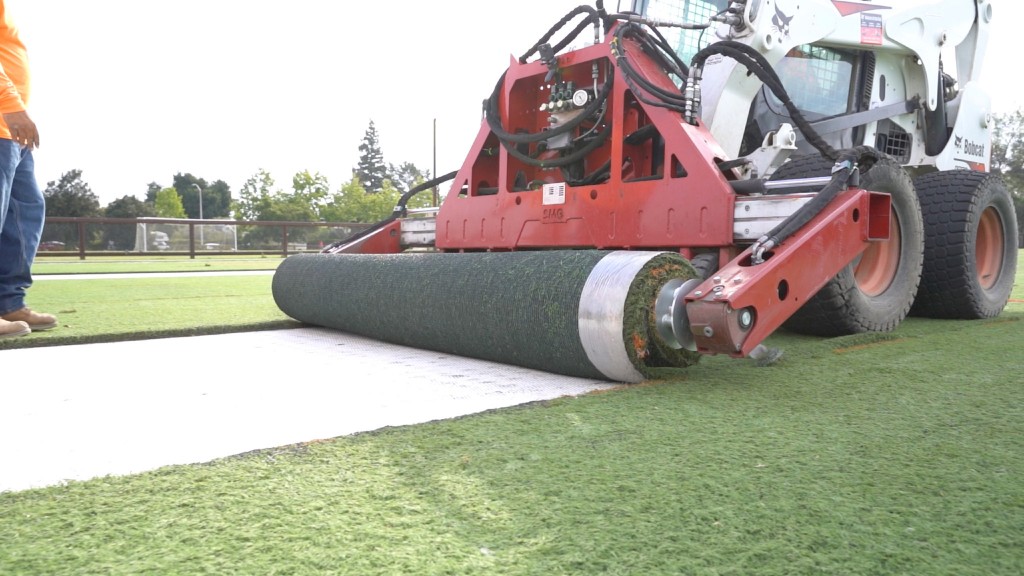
161	241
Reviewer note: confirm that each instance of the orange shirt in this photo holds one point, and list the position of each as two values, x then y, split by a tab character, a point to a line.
14	76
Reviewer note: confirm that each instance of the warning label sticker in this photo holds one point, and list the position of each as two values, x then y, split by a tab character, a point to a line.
871	29
554	194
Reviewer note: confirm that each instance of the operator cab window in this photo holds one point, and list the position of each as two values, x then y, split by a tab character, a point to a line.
819	81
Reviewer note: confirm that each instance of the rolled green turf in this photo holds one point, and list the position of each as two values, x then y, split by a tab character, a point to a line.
519	308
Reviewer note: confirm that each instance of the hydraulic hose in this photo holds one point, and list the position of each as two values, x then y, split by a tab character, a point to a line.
846	166
400	207
511	141
760	67
493	116
398	212
658	47
567	160
593	18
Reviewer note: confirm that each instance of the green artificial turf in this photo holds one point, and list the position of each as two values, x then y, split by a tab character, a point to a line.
44	266
871	454
893	456
112	309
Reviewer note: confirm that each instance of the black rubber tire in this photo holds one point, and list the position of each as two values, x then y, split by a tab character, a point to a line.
841	307
957	206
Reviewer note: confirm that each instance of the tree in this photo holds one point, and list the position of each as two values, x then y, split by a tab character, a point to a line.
406	175
122	237
128	207
71	197
354	204
312	190
1008	160
168	204
152	189
255	196
371	171
288	207
216	197
259	201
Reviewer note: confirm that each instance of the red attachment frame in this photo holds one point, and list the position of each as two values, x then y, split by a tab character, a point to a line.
385	240
664	192
743	303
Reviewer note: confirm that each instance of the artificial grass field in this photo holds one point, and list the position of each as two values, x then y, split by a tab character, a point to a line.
897	453
135	308
45	265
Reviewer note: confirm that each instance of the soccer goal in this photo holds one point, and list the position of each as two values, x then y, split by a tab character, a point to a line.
165	236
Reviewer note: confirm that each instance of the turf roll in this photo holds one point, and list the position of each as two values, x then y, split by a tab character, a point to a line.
584	313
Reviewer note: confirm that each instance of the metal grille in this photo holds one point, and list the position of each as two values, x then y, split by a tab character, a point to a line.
894	141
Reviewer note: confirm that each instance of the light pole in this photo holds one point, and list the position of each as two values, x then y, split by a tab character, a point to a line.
200	190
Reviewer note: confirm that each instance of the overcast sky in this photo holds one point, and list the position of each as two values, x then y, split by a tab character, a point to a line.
132	92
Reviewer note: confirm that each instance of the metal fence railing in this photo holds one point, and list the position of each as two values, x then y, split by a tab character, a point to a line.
95	237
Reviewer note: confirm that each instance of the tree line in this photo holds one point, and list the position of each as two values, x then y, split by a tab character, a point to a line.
368	197
1008	160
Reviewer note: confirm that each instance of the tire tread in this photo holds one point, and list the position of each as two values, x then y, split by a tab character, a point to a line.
951	202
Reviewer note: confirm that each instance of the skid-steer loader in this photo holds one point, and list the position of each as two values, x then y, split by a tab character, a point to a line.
688	179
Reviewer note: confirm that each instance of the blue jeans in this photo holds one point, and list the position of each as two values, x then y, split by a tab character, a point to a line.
22	213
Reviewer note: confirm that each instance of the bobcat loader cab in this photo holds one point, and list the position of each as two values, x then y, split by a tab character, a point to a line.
900	76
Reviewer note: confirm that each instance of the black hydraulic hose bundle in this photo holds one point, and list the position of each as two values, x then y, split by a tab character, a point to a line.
672	100
848	163
846	169
658	47
677	66
594	17
655	44
760	67
509	140
400	209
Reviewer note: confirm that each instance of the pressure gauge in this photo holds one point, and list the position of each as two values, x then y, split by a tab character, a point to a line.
580	97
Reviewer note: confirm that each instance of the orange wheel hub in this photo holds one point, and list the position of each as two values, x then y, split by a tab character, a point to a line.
989	248
877	266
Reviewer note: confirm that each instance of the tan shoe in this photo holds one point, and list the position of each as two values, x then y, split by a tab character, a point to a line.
35	320
12	329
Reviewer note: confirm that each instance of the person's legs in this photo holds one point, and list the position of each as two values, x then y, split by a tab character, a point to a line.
24	211
9	157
